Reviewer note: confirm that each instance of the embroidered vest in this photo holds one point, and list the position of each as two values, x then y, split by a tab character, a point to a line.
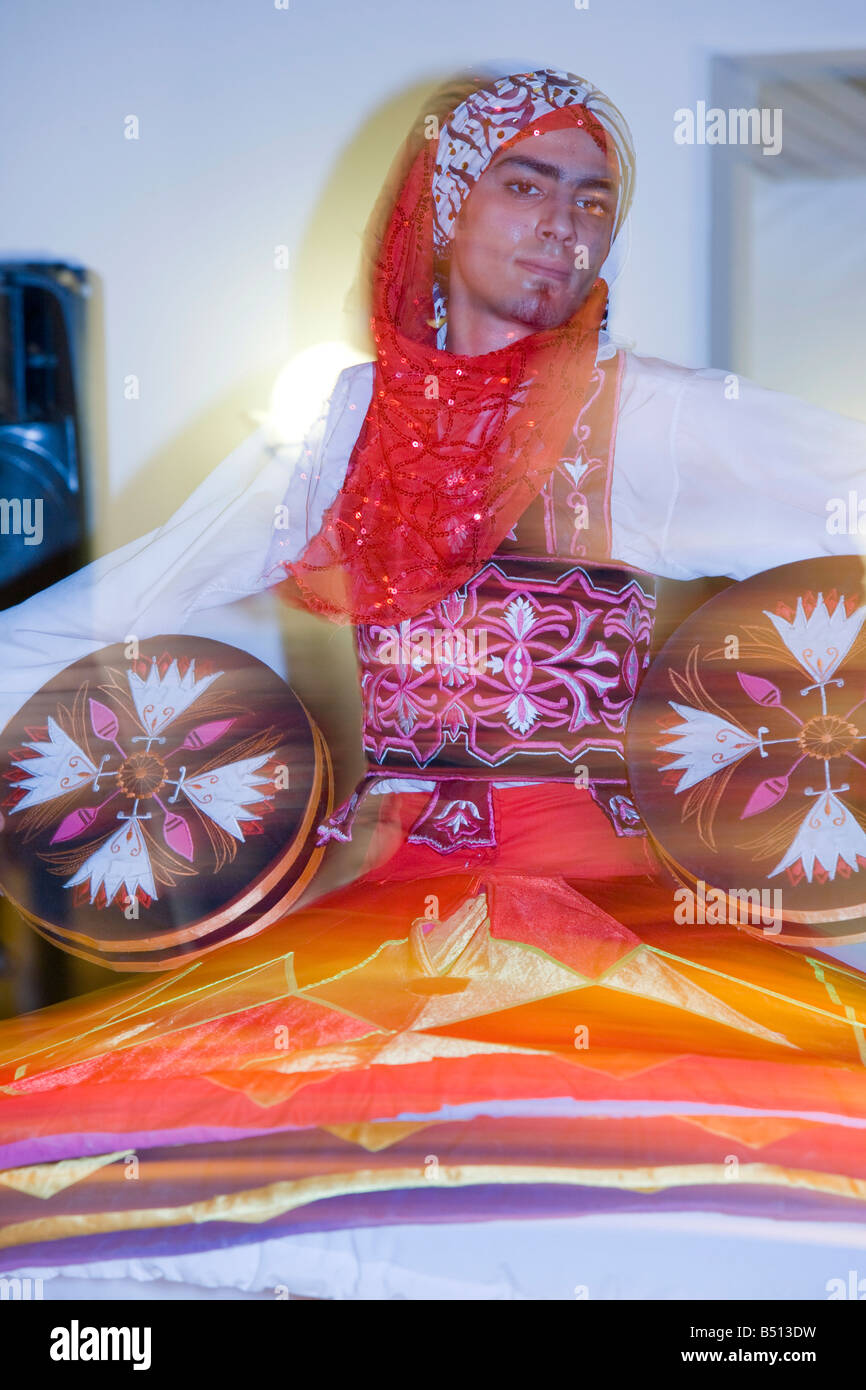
529	670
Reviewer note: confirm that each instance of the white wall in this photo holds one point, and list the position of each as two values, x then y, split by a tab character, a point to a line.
804	329
255	130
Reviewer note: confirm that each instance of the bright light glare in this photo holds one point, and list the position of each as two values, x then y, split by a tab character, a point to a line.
303	387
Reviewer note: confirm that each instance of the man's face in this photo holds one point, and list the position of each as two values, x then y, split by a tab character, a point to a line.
516	261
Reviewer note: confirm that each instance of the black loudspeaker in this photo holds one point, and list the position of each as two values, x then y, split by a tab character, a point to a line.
43	323
44	320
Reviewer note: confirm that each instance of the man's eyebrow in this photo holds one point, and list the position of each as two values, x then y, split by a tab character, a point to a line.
553	171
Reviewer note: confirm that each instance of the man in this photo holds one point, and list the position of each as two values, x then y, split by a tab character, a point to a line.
505	974
712	476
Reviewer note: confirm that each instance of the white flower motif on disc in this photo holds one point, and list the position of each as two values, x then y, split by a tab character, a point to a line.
122	861
160	699
704	743
823	640
61	767
828	833
224	793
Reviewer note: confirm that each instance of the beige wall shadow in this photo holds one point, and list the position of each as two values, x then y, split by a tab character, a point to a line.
328	302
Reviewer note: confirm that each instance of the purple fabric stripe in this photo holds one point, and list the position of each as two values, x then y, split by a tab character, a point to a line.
50	1147
436	1205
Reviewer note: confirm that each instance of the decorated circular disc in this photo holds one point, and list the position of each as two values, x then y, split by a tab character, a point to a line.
747	753
162	798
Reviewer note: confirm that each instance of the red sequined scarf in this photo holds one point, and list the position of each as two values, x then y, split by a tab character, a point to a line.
453	448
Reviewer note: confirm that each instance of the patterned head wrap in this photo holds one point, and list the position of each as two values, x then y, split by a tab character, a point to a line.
490	119
496	116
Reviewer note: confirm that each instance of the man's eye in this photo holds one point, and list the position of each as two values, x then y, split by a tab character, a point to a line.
522	186
594	205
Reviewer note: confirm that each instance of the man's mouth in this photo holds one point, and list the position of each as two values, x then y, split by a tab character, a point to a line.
553	270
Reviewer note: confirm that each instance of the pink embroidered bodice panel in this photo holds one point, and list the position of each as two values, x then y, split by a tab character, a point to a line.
531	667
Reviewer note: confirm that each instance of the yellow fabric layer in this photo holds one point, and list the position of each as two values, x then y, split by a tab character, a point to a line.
646	973
376	1135
265	1203
47	1179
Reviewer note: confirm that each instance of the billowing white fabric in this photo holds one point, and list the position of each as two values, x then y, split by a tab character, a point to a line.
712	476
683	1255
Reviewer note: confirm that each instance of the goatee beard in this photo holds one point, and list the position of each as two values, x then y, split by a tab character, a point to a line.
539	310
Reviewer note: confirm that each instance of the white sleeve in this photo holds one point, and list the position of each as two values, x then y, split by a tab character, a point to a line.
259	505
714	475
759	478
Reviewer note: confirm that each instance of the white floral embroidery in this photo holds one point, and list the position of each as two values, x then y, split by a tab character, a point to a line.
521	714
575	468
520	616
703	744
459	815
225	793
60	767
121	861
160	699
823	640
828	833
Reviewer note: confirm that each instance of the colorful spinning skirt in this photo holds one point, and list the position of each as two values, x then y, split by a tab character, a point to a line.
517	1030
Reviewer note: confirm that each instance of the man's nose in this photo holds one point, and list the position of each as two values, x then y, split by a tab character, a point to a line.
557	221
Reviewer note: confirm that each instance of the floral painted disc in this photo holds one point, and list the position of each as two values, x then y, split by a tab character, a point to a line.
747	752
162	798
